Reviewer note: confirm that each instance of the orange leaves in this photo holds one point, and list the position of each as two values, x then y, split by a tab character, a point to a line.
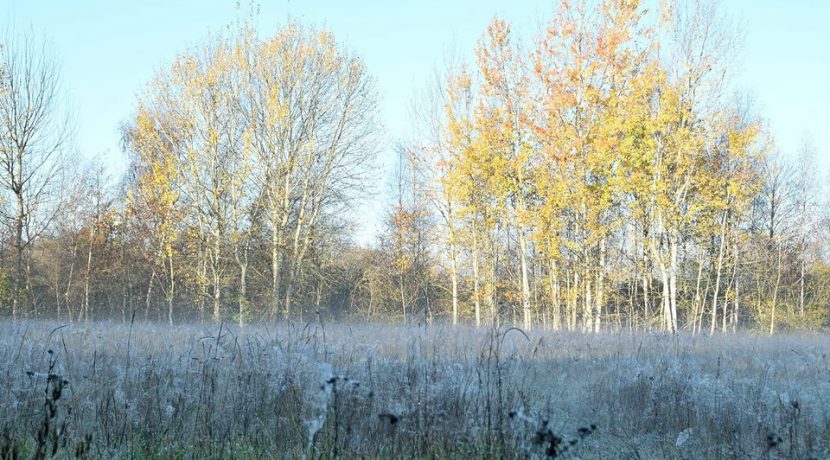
587	130
496	59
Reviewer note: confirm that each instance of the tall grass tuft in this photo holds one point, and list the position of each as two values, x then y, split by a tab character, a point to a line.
107	390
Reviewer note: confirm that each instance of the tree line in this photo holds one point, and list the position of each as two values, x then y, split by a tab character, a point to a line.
604	177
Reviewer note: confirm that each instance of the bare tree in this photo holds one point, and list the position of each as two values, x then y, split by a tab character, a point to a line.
34	135
312	112
806	200
248	134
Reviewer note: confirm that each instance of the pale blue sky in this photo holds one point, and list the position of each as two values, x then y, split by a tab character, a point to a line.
110	49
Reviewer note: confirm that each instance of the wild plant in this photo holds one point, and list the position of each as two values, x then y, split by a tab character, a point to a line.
368	391
491	371
9	447
538	440
51	434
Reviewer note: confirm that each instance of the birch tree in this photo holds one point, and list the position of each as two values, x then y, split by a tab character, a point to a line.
244	136
314	127
34	139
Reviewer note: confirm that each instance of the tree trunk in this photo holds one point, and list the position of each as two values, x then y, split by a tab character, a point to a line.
217	277
801	287
242	262
665	276
125	282
276	263
775	293
673	283
88	273
66	300
553	282
573	299
600	288
402	293
203	283
526	313
698	302
58	290
718	270
725	309
454	281
171	293
149	297
666	303
702	311
243	288
737	303
588	305
646	297
476	283
18	244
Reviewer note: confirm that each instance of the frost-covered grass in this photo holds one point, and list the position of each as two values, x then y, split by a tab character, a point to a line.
385	391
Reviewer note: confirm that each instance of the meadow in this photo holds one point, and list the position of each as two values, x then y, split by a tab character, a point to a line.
316	390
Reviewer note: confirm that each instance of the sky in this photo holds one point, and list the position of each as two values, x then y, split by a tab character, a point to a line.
109	51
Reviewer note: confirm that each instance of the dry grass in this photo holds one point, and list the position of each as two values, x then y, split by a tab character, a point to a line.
371	390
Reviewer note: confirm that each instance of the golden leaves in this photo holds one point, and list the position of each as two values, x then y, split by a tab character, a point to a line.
586	122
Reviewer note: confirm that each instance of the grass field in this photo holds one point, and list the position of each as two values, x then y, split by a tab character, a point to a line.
112	390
